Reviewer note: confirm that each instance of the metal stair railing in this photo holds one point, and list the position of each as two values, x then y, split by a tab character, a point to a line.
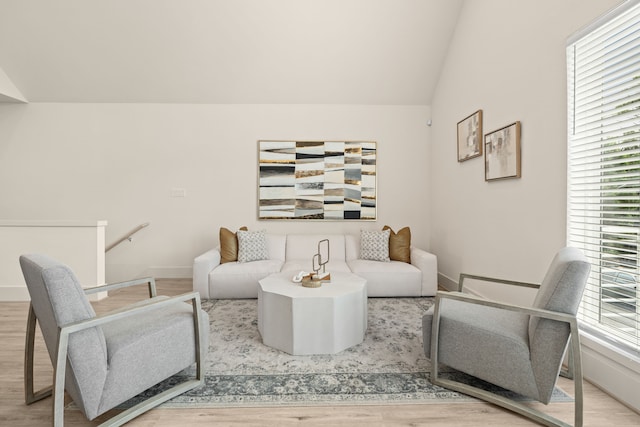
128	236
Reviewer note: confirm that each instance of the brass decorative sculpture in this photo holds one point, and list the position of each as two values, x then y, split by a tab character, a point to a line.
321	259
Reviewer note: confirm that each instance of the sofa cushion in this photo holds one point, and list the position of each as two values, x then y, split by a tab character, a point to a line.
374	245
240	280
304	246
399	244
387	279
252	246
276	244
296	265
352	247
228	245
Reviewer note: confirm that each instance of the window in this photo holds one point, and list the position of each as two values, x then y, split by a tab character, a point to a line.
603	207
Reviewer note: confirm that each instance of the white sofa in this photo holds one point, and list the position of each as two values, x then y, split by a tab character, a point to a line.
293	252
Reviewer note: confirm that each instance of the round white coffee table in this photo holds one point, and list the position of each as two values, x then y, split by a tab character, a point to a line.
303	321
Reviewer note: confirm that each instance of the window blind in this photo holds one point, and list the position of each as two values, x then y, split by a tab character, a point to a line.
603	198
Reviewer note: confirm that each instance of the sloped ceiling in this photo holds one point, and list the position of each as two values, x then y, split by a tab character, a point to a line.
226	51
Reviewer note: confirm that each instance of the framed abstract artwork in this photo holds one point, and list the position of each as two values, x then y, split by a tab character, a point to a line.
502	153
317	180
470	137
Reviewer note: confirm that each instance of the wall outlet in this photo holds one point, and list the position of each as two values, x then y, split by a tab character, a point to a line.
178	192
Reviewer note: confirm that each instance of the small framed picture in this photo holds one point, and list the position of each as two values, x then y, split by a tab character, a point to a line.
502	153
470	137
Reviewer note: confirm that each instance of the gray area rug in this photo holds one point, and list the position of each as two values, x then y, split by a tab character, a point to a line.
389	367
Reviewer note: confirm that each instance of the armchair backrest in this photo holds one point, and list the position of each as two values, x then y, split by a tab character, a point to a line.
57	300
560	291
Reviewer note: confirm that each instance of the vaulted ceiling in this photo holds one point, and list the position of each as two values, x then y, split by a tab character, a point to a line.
226	51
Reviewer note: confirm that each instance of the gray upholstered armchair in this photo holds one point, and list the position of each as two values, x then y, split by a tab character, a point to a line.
517	348
102	361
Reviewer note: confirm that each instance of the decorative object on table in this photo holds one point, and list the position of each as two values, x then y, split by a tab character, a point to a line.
311	282
298	277
502	153
317	180
319	261
470	137
307	280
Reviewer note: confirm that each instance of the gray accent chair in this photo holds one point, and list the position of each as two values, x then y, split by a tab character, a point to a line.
517	348
103	361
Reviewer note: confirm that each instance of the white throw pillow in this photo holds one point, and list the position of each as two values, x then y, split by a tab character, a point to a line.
252	246
374	245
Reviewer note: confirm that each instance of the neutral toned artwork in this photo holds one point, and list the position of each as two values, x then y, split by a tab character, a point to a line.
321	180
470	137
502	153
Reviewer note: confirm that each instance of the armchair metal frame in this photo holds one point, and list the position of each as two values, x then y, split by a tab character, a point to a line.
59	371
575	362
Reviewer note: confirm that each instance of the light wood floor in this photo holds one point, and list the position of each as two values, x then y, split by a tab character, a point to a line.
600	409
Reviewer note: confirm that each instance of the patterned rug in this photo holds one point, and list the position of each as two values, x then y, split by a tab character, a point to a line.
389	367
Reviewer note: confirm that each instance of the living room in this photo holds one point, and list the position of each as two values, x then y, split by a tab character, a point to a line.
105	136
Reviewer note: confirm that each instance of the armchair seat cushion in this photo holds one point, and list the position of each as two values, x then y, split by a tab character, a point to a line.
129	349
487	331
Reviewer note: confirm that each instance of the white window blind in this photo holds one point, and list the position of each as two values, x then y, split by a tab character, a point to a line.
603	206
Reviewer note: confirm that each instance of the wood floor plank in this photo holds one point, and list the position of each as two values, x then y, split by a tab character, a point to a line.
600	408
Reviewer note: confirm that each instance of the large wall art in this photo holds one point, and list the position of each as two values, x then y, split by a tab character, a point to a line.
317	180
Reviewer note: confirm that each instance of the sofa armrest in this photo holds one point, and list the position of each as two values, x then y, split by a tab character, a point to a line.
202	266
428	264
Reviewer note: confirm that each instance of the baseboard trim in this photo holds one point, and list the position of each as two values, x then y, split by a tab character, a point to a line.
14	294
447	282
170	272
124	272
613	372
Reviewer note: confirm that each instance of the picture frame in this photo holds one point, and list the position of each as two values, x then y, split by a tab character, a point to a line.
502	153
469	136
317	180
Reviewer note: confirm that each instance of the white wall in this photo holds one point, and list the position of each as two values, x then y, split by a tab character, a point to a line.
80	245
8	91
508	59
119	162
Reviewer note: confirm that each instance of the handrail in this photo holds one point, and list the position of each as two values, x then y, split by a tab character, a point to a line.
127	236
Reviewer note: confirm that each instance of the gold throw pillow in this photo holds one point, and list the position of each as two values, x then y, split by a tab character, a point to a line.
399	244
229	245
